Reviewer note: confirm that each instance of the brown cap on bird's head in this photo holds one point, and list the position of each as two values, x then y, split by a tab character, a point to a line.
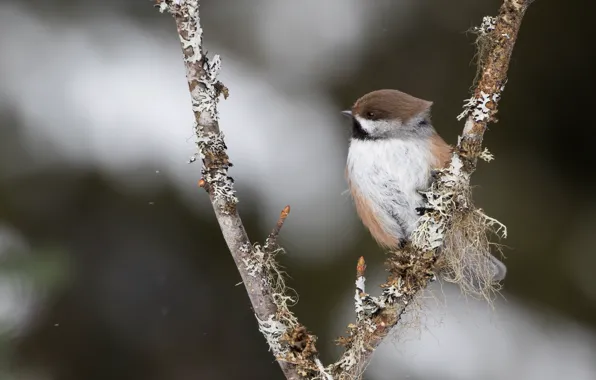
385	114
390	105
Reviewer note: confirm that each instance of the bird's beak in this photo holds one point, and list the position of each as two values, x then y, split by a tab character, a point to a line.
347	113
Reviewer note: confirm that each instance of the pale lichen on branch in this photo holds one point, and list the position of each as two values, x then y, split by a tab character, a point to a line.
452	223
411	268
289	341
205	90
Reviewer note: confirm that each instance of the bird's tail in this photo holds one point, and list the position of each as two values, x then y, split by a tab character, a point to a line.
499	270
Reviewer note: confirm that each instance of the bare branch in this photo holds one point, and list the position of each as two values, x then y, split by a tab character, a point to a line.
272	238
411	268
256	267
497	38
376	316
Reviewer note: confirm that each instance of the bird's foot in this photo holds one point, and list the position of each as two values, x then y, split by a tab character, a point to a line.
422	210
434	175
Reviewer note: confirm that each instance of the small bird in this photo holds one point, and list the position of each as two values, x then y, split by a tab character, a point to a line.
393	153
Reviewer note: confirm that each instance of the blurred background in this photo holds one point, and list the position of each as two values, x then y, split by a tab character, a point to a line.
111	262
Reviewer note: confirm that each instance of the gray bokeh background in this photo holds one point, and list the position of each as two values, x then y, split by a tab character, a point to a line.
111	262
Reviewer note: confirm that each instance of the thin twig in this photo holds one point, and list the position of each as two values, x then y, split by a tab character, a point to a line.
376	316
272	238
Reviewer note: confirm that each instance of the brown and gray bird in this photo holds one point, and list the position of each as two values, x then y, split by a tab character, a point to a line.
393	152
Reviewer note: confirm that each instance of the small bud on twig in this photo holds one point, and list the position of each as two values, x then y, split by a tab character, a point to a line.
272	238
360	267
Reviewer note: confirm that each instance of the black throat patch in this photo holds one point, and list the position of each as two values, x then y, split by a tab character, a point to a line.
359	133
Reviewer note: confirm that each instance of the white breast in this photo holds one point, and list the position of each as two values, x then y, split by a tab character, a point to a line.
389	173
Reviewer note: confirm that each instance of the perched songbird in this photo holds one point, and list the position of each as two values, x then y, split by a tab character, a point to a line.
393	152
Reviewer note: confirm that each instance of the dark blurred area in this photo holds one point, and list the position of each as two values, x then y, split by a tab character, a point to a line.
119	270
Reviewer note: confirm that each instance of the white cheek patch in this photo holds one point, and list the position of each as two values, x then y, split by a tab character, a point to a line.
377	127
367	125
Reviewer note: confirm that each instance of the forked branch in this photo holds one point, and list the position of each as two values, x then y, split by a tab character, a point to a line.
411	269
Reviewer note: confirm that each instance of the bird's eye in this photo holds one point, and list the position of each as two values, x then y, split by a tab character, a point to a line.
370	115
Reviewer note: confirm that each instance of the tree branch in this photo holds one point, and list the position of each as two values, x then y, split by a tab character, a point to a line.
411	269
205	90
496	39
